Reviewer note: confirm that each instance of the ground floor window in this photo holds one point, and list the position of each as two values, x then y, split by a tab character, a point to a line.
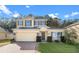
56	35
28	23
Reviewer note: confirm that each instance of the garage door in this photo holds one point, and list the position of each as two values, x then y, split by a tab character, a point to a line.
26	36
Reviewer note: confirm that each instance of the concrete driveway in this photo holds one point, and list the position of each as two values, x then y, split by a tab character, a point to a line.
27	45
19	47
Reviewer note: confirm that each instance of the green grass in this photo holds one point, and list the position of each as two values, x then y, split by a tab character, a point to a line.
5	42
57	48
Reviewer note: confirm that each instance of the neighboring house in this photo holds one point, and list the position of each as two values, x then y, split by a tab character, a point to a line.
28	28
75	29
9	35
5	34
2	34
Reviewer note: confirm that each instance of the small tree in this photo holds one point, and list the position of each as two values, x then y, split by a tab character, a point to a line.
70	36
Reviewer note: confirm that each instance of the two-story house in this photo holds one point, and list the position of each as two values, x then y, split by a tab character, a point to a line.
28	28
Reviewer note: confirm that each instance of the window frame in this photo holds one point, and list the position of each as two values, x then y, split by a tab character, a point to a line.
56	35
28	23
20	22
39	23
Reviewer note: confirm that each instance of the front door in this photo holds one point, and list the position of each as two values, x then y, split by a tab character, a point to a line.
43	36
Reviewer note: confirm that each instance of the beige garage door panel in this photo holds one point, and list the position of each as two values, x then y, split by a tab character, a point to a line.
26	36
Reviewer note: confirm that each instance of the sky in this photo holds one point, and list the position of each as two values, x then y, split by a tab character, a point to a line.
60	11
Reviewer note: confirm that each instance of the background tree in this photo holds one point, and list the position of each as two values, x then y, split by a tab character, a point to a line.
53	22
67	22
8	24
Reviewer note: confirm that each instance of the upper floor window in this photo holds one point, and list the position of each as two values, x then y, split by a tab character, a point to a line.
43	22
39	23
36	23
20	22
28	23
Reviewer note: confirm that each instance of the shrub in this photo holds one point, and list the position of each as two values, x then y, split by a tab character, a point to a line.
72	42
63	39
49	39
56	40
38	39
5	40
71	36
67	40
12	40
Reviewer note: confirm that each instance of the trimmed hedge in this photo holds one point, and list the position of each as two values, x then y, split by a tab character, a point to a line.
13	40
38	39
68	41
72	42
5	40
49	39
57	41
63	39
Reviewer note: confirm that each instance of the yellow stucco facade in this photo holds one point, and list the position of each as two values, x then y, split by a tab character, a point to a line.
30	34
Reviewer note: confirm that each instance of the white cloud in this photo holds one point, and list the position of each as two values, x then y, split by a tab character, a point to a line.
57	14
5	10
66	16
52	15
74	13
16	14
71	15
27	6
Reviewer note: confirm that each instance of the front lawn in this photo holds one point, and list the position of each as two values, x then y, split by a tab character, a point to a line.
5	42
57	48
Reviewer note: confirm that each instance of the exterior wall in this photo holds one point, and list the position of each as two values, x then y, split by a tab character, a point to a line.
46	35
32	23
23	23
